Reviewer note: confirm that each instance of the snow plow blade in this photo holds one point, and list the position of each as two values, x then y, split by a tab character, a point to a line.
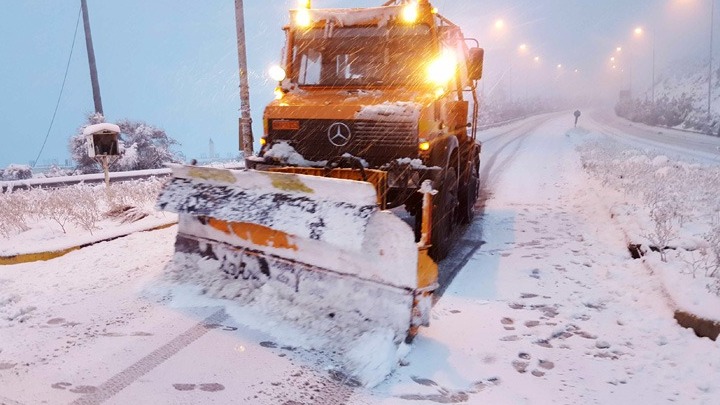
314	251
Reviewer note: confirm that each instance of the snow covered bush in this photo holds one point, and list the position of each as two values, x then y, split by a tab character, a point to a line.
54	171
150	147
86	208
669	112
16	172
133	200
141	146
663	216
82	206
53	204
676	204
14	213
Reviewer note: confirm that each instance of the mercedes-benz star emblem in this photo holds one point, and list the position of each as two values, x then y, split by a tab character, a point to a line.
339	134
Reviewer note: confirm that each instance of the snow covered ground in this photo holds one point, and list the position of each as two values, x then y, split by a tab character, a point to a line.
551	309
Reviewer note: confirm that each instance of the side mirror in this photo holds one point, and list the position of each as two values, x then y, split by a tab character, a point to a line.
475	63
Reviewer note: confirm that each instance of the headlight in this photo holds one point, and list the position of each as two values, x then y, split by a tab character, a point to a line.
410	12
302	17
443	68
276	73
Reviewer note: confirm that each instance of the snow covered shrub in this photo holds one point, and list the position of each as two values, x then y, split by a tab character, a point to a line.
13	213
85	207
17	172
141	146
679	199
713	267
132	200
670	112
53	204
150	146
78	147
662	213
136	192
56	171
713	239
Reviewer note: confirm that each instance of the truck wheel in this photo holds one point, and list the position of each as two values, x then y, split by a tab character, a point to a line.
445	206
468	195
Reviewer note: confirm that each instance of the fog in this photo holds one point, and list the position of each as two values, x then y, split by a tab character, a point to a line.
176	67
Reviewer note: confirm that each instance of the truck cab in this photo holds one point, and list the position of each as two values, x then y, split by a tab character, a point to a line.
390	88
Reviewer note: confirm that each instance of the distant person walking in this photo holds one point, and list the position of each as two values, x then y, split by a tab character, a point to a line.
577	115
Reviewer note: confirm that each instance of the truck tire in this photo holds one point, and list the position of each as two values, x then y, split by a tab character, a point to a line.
468	194
444	212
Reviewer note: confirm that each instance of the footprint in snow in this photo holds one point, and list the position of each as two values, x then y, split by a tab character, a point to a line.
80	389
207	387
521	365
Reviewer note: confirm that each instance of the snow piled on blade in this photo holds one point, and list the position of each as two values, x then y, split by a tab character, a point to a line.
307	206
339	283
358	326
373	357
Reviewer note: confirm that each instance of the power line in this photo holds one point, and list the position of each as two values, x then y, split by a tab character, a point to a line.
67	68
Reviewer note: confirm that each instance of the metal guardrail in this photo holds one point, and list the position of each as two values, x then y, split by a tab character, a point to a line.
94	178
64	181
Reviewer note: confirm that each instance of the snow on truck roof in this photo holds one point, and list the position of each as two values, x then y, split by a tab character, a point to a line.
91	129
353	16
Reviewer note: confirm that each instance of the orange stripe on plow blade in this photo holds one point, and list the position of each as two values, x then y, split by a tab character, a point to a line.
257	234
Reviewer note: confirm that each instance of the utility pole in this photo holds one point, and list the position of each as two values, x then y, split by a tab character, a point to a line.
246	137
91	59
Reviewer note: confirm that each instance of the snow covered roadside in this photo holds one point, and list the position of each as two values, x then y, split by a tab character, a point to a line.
39	220
550	310
670	212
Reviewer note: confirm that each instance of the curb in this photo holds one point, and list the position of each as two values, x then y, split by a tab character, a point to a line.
38	256
701	326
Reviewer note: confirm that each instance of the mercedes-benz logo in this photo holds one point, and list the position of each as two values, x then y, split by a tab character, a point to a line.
339	134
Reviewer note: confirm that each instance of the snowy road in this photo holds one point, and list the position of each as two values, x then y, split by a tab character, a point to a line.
673	142
550	309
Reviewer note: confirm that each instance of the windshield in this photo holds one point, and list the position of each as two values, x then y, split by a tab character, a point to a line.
361	56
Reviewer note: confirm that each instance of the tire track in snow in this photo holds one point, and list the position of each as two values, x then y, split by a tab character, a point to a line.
143	366
472	234
491	168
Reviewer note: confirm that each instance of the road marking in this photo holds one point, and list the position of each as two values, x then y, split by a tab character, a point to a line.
131	374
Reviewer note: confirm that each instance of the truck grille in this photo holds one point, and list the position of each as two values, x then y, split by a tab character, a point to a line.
377	142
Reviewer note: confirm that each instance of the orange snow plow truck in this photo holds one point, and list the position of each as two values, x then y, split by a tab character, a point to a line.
375	109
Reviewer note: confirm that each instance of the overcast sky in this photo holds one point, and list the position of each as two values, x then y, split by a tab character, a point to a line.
173	64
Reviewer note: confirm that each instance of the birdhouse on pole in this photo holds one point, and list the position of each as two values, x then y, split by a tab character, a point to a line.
102	145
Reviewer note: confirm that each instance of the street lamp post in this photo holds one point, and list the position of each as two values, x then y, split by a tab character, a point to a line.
639	32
